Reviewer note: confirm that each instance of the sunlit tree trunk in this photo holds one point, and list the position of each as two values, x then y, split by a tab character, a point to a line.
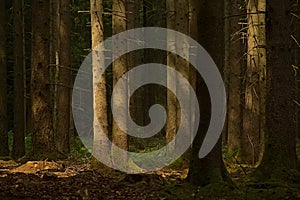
101	146
280	151
254	108
43	144
119	68
3	82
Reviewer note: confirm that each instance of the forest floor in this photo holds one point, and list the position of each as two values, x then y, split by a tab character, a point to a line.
74	179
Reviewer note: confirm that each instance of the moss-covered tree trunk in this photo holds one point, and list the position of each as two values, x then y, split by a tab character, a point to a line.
210	169
3	82
280	151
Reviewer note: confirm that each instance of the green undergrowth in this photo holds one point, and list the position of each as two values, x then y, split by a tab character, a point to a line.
78	150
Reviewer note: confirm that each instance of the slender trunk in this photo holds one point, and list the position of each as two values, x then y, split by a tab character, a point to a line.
64	79
119	68
181	65
101	146
234	64
54	56
19	81
254	111
3	82
43	144
171	124
193	33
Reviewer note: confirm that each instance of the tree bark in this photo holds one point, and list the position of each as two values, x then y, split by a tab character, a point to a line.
43	144
280	150
233	68
101	145
64	79
19	81
171	124
210	169
119	138
3	82
254	111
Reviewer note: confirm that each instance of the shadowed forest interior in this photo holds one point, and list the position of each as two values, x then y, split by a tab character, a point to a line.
49	123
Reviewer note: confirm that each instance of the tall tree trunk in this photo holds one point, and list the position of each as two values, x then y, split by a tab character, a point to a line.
100	146
43	144
134	59
154	16
210	169
171	124
119	68
193	33
54	56
181	65
280	150
254	111
64	79
3	82
296	58
19	81
234	64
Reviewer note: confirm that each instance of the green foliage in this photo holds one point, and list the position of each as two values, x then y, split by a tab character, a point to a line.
78	150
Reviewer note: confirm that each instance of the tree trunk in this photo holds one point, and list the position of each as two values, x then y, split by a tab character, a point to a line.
181	65
210	169
43	144
101	146
154	16
234	65
119	68
280	150
254	111
3	82
132	21
171	124
64	79
193	33
19	81
54	57
296	58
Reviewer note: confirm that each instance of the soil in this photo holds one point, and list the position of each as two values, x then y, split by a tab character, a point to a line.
51	180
